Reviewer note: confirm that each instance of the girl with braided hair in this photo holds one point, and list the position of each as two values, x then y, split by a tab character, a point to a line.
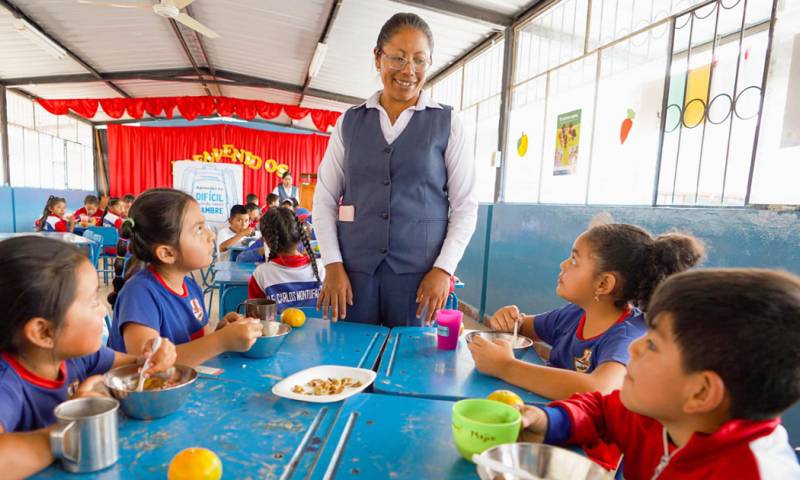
290	278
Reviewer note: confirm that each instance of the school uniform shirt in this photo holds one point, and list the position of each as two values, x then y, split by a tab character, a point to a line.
461	184
284	194
55	224
27	400
112	220
563	330
147	300
223	236
97	217
252	253
288	280
739	449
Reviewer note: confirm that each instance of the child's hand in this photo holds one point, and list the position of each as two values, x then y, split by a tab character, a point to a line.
491	358
503	319
241	334
92	387
230	317
534	424
163	359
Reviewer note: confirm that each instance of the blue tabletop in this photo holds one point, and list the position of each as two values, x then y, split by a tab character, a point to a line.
256	434
386	436
412	365
228	266
233	273
67	237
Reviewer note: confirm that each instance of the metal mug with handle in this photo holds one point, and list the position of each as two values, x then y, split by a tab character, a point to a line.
263	309
86	437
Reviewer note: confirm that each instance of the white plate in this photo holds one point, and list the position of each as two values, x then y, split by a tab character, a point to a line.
284	387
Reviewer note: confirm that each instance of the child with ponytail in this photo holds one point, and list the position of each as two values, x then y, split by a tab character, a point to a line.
168	239
290	278
52	219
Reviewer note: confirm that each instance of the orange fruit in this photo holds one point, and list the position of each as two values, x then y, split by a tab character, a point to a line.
195	464
506	396
294	317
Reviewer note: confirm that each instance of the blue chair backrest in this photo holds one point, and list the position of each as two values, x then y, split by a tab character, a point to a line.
232	297
109	235
791	421
96	246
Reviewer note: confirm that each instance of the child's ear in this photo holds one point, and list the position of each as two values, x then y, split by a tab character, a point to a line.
39	332
606	284
707	393
165	254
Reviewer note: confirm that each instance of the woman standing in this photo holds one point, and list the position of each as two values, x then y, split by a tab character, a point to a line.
285	190
406	178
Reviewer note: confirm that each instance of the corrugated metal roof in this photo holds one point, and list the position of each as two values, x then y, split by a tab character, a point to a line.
506	7
349	66
71	90
146	88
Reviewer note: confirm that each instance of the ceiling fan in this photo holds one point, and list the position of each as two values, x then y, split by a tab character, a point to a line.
170	9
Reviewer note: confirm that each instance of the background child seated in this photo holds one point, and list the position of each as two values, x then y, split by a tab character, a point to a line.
52	219
251	198
254	215
290	278
127	201
89	215
705	385
272	201
115	214
236	231
50	344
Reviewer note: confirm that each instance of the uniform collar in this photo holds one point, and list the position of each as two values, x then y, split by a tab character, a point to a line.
424	101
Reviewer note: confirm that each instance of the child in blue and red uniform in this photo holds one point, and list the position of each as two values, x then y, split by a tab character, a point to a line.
704	387
89	214
50	345
289	278
115	214
168	238
52	219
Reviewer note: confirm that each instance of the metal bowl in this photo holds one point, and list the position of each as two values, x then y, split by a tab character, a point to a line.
149	404
273	335
520	347
542	461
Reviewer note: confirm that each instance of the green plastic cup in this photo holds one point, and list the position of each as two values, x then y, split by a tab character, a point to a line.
480	424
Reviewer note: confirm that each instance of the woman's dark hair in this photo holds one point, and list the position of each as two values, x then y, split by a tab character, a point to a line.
155	218
721	317
52	201
397	22
90	200
640	261
287	173
38	280
282	231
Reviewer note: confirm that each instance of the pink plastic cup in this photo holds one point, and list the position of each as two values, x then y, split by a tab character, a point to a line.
448	326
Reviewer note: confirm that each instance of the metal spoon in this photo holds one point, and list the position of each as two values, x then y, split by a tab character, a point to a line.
156	345
516	330
502	468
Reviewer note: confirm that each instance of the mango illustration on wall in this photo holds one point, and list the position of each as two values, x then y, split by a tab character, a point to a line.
522	144
626	126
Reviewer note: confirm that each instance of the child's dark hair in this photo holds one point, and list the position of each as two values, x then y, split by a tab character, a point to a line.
282	231
743	324
272	198
52	201
90	200
155	218
38	280
251	198
128	198
288	202
399	21
640	261
250	207
238	210
114	202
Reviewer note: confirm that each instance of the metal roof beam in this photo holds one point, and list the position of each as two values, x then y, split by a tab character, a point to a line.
164	74
251	81
203	51
323	38
462	10
20	14
189	55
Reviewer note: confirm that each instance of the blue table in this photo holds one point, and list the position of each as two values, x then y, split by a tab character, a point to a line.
385	436
256	434
81	242
412	365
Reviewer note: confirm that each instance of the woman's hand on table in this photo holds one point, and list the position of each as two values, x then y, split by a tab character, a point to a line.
336	292
432	293
503	320
163	359
534	424
492	357
241	334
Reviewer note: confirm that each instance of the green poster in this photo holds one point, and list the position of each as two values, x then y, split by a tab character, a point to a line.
568	136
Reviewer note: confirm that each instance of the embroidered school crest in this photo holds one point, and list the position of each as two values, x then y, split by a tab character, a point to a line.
583	362
197	309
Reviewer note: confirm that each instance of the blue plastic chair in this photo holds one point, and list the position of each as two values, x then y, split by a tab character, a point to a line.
110	237
94	247
230	298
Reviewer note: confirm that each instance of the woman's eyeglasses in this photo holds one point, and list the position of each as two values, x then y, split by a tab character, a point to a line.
420	64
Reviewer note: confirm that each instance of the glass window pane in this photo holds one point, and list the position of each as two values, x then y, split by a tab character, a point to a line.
483	75
85	134
68	128
485	146
523	157
448	90
46	160
88	168
16	154
32	174
74	165
20	110
59	164
45	121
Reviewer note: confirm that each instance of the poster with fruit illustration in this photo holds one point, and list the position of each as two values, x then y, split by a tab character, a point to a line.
568	135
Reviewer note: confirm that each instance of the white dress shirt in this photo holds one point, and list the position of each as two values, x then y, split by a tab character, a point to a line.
461	189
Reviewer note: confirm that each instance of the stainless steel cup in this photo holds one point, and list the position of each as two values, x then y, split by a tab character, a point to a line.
86	437
263	309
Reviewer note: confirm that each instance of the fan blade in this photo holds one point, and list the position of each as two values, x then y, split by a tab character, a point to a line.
180	4
148	6
195	25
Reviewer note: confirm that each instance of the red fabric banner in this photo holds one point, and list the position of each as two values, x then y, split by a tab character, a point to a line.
189	107
141	157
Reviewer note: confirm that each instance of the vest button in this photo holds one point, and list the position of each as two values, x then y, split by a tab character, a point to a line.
387	150
386	182
384	215
383	250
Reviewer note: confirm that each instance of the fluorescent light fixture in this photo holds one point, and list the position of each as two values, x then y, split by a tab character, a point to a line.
317	59
40	39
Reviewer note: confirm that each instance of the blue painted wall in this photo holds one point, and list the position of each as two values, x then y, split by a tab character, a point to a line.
529	241
20	207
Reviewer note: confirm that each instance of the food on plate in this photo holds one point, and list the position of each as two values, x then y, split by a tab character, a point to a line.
331	386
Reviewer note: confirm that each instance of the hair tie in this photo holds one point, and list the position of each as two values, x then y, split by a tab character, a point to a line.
130	221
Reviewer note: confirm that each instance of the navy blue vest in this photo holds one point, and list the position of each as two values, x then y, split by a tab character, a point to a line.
399	191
